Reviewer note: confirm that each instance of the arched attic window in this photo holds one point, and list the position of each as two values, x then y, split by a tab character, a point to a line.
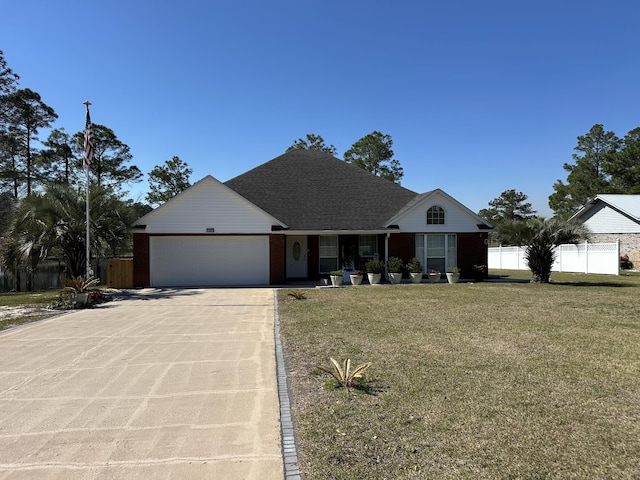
435	215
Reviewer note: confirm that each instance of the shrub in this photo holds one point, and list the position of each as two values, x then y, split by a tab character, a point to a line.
479	272
374	266
415	265
395	265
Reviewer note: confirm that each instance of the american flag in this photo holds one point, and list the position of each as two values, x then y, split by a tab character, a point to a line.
88	143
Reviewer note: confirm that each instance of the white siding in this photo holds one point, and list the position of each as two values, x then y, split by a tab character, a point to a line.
208	204
457	219
604	219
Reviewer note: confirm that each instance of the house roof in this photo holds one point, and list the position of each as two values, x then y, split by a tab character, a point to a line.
312	190
628	205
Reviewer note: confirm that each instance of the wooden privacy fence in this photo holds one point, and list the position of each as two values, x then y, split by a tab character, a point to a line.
584	258
120	273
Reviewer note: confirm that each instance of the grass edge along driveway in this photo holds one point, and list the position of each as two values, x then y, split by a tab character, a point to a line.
487	380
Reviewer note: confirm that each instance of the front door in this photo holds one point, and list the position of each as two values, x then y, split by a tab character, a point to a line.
297	256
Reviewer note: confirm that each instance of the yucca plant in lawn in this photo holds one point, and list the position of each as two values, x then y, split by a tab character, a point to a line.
298	295
343	373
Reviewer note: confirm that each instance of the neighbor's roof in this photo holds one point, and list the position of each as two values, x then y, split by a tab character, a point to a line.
312	190
628	205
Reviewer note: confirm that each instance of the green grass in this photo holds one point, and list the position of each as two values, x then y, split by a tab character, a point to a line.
477	381
24	307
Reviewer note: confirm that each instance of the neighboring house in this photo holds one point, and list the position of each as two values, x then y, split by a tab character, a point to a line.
300	216
612	217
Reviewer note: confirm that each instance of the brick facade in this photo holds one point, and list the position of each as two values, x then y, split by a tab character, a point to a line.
472	250
313	245
277	263
402	245
141	272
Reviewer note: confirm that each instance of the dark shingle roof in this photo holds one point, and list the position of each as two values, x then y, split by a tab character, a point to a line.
311	190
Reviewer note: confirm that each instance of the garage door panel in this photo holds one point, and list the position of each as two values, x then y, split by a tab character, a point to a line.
203	261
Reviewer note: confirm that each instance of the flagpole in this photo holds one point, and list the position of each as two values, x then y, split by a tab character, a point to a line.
88	153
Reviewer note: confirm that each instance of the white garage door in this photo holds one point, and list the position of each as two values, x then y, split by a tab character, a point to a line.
203	261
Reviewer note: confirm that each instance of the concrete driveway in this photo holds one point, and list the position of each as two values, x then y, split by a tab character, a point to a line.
162	384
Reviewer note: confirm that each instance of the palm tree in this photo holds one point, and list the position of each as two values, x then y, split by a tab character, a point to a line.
54	221
541	236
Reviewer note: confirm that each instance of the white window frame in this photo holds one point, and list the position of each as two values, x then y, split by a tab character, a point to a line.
327	253
374	246
441	212
450	249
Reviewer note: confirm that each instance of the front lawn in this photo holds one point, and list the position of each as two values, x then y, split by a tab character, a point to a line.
486	380
17	308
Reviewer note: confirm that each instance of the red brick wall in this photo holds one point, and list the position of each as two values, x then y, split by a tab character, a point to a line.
402	245
141	274
472	250
313	244
277	254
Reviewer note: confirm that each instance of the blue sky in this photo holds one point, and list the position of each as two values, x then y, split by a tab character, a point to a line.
479	97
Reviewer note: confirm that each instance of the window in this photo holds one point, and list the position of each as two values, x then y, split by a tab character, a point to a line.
435	215
367	246
437	252
328	253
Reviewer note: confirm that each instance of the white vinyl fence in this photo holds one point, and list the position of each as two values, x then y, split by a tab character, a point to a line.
583	258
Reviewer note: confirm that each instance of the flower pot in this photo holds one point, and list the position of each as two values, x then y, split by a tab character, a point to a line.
434	277
416	277
374	278
336	280
395	278
82	298
453	277
355	279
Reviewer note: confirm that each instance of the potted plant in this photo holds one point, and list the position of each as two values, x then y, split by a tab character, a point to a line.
336	277
434	276
453	274
479	272
394	267
80	287
375	268
356	277
415	270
